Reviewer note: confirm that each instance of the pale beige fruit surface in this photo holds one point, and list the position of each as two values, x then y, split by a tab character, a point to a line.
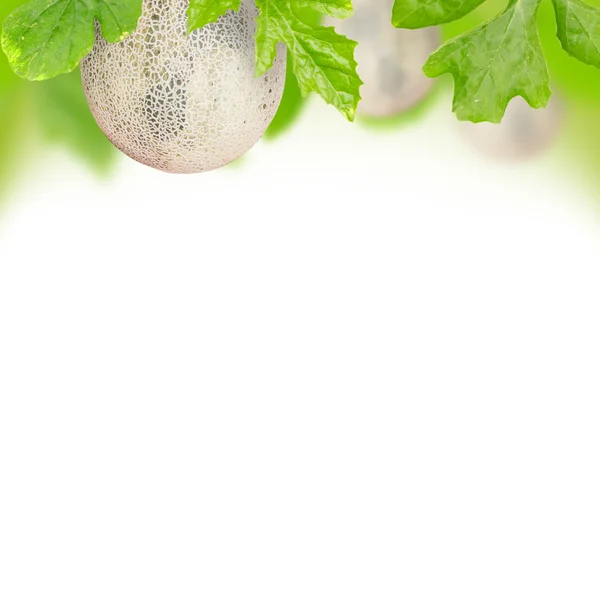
183	103
523	132
390	60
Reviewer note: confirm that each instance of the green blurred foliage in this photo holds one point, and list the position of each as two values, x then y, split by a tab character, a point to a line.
36	115
64	117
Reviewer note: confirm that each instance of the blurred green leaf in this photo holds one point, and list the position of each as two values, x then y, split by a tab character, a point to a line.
54	111
64	117
12	123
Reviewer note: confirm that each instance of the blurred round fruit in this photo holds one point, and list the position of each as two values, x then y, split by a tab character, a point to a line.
523	132
183	103
390	60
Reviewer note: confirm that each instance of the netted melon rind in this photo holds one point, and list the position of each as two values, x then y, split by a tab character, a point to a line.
183	103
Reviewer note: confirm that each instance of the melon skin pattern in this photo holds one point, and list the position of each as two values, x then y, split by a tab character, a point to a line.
183	103
389	60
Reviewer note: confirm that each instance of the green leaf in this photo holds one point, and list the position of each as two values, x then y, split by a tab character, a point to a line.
203	12
578	29
323	61
415	14
503	57
495	62
342	9
45	38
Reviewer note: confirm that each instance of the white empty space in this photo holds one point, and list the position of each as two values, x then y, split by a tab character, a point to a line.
354	366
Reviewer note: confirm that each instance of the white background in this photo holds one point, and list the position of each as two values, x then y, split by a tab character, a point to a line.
354	366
